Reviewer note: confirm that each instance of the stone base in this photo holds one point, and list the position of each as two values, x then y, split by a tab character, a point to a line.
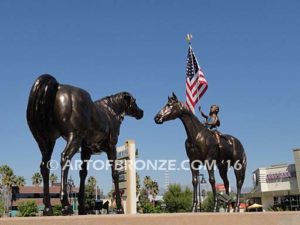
257	218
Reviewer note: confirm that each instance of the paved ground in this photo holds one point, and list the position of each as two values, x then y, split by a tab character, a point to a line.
266	218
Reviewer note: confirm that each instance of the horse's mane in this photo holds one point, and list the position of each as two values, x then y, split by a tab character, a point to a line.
187	111
111	99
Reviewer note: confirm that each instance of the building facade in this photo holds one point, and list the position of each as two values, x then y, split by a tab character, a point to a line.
277	186
36	194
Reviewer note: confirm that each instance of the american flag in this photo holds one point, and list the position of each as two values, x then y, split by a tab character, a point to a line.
196	84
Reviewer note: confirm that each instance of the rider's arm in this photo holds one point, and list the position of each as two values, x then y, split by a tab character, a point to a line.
202	113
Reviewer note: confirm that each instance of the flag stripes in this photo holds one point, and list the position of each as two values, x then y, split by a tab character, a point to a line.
196	84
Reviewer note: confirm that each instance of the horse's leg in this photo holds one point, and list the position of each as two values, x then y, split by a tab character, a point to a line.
211	174
195	182
85	156
240	177
73	144
46	150
115	176
223	173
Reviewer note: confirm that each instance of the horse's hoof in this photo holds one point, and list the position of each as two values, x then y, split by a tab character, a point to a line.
194	210
67	210
81	212
48	211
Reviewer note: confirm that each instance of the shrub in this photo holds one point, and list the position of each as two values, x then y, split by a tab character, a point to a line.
27	208
57	210
178	200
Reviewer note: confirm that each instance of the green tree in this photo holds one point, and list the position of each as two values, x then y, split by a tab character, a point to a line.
27	208
36	179
1	207
178	200
208	202
144	204
7	176
19	181
142	200
91	181
53	178
154	190
150	208
8	180
90	193
138	184
150	188
147	183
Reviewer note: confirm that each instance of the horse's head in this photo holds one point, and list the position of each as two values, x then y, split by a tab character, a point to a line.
171	111
131	108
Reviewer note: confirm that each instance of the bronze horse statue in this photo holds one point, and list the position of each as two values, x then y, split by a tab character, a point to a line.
203	149
56	110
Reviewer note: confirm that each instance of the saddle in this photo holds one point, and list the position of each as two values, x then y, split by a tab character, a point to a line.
228	140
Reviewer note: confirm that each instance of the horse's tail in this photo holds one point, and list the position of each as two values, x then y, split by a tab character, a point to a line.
40	108
241	158
238	147
244	160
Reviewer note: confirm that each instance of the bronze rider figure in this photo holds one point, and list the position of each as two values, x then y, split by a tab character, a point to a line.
212	121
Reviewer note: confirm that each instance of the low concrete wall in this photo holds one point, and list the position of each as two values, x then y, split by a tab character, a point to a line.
265	218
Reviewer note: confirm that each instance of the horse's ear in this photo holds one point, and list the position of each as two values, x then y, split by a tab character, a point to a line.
169	98
174	96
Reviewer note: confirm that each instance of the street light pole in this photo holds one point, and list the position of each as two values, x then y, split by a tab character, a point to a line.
71	185
96	197
200	181
4	199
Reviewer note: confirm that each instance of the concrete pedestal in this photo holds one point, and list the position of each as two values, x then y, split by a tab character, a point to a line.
265	218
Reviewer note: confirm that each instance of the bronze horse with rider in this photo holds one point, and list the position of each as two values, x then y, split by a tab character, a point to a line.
56	110
203	148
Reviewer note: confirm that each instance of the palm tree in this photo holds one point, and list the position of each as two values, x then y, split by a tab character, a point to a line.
37	179
137	185
9	181
154	190
151	187
19	181
90	192
147	183
112	196
53	178
6	175
91	181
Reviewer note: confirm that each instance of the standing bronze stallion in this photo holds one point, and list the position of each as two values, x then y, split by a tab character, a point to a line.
202	147
55	110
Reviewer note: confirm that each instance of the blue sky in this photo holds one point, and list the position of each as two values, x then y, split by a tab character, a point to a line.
249	52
